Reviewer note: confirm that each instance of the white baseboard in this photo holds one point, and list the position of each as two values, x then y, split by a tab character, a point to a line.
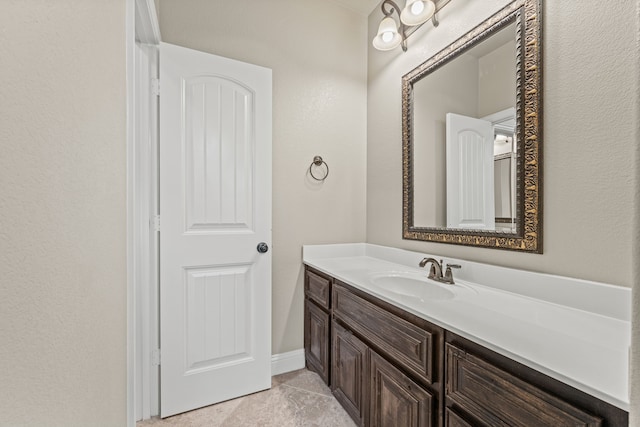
287	362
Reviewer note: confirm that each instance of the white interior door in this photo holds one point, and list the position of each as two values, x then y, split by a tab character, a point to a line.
470	198
215	208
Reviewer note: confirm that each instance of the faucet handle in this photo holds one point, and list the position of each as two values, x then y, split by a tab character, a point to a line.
448	275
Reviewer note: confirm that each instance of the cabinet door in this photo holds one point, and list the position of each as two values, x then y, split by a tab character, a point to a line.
349	372
316	339
395	399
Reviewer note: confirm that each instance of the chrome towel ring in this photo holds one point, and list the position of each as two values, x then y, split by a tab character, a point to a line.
318	162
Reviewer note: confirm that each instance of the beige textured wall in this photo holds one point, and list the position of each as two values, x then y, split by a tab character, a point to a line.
497	80
634	415
317	51
62	213
589	120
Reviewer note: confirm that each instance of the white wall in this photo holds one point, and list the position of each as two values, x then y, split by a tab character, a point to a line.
62	213
317	50
589	119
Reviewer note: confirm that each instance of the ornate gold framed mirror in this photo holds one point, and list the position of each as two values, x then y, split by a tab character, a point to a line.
472	137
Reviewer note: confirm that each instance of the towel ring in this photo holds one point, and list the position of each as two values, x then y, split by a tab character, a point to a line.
317	161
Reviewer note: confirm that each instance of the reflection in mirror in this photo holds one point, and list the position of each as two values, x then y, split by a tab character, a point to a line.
504	167
454	185
471	137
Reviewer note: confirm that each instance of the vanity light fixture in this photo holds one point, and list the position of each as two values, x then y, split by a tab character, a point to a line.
415	13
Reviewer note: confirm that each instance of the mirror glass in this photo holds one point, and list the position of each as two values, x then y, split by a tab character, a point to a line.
478	84
471	137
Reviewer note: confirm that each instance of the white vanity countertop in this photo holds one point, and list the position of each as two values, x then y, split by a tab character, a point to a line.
575	331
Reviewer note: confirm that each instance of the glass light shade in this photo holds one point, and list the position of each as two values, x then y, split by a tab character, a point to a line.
388	37
413	14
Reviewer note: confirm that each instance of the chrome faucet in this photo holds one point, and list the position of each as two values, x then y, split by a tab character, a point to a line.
435	273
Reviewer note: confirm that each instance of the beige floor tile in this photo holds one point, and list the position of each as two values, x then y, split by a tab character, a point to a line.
304	380
296	399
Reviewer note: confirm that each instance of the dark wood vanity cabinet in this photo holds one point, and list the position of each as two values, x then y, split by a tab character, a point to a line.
386	367
409	341
493	396
317	323
390	368
484	388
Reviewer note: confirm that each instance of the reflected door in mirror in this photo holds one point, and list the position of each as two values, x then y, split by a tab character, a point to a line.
470	199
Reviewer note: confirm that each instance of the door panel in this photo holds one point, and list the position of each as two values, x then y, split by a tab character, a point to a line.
219	151
217	308
215	207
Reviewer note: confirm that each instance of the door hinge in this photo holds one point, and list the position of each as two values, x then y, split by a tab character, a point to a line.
155	357
155	223
155	86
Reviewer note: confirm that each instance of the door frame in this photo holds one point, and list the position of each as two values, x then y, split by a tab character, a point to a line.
146	234
141	27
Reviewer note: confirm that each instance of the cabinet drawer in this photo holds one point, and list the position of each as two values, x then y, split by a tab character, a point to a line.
497	398
407	344
318	288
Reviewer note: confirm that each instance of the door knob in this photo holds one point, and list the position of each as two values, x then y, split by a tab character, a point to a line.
262	247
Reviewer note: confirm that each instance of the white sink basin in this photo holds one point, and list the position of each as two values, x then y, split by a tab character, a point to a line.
411	285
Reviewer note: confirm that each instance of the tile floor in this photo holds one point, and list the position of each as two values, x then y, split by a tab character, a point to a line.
295	399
